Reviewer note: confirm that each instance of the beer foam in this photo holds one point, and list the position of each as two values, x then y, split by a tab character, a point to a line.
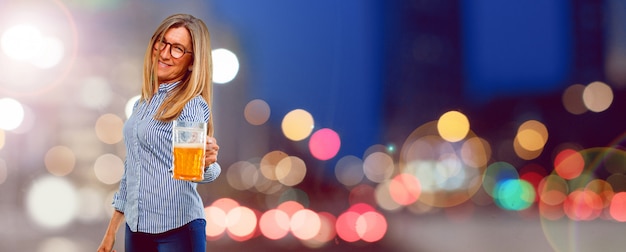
189	145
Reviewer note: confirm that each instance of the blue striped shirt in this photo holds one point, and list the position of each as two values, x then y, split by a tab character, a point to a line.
151	200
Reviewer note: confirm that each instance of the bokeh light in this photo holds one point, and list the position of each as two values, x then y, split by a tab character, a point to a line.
269	163
573	99
225	65
603	189
532	135
22	42
346	226
349	170
582	205
216	221
598	96
219	219
29	121
497	173
372	226
617	208
361	222
326	231
405	189
382	195
257	112
305	224
476	152
274	224
109	128
60	160
569	164
40	43
453	126
11	114
58	244
534	174
290	207
52	202
241	222
130	104
297	124
50	53
514	194
522	152
378	166
324	144
109	168
290	171
242	175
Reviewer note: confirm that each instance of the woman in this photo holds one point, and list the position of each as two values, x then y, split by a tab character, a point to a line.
162	213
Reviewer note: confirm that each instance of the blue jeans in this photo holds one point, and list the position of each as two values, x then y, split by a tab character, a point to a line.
188	238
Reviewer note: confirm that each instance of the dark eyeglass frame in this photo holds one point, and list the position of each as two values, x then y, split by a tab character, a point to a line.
162	44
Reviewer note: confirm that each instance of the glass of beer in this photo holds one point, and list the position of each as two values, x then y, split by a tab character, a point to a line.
188	141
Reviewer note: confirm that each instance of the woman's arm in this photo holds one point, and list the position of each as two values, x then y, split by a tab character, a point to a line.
109	237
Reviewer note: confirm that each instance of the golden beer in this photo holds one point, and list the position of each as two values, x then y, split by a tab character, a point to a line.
188	162
188	141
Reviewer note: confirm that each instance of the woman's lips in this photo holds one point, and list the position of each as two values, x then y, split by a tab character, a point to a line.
161	64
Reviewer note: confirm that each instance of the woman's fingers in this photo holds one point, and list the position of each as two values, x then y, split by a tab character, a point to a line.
211	150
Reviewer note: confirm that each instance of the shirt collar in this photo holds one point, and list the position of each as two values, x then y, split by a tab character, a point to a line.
166	87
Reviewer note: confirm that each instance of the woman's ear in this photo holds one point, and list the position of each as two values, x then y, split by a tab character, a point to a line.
190	68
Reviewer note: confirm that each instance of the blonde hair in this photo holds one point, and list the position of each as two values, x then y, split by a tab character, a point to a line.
197	82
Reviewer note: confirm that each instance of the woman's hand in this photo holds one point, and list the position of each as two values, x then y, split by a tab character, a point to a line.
109	236
211	151
107	244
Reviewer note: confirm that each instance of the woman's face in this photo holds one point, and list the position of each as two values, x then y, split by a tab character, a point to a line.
171	69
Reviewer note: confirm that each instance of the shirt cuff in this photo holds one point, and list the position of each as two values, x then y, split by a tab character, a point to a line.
118	203
211	173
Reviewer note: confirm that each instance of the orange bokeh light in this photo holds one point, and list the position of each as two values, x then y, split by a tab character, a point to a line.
617	209
274	224
361	222
405	189
569	164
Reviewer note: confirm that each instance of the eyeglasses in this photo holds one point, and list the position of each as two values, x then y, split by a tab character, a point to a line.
177	51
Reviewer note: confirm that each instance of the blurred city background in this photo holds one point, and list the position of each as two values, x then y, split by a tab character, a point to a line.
410	125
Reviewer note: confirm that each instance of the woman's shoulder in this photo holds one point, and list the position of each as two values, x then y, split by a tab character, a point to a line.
197	100
196	107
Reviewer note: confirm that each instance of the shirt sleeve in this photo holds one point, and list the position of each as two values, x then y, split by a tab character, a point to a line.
119	198
211	173
196	110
